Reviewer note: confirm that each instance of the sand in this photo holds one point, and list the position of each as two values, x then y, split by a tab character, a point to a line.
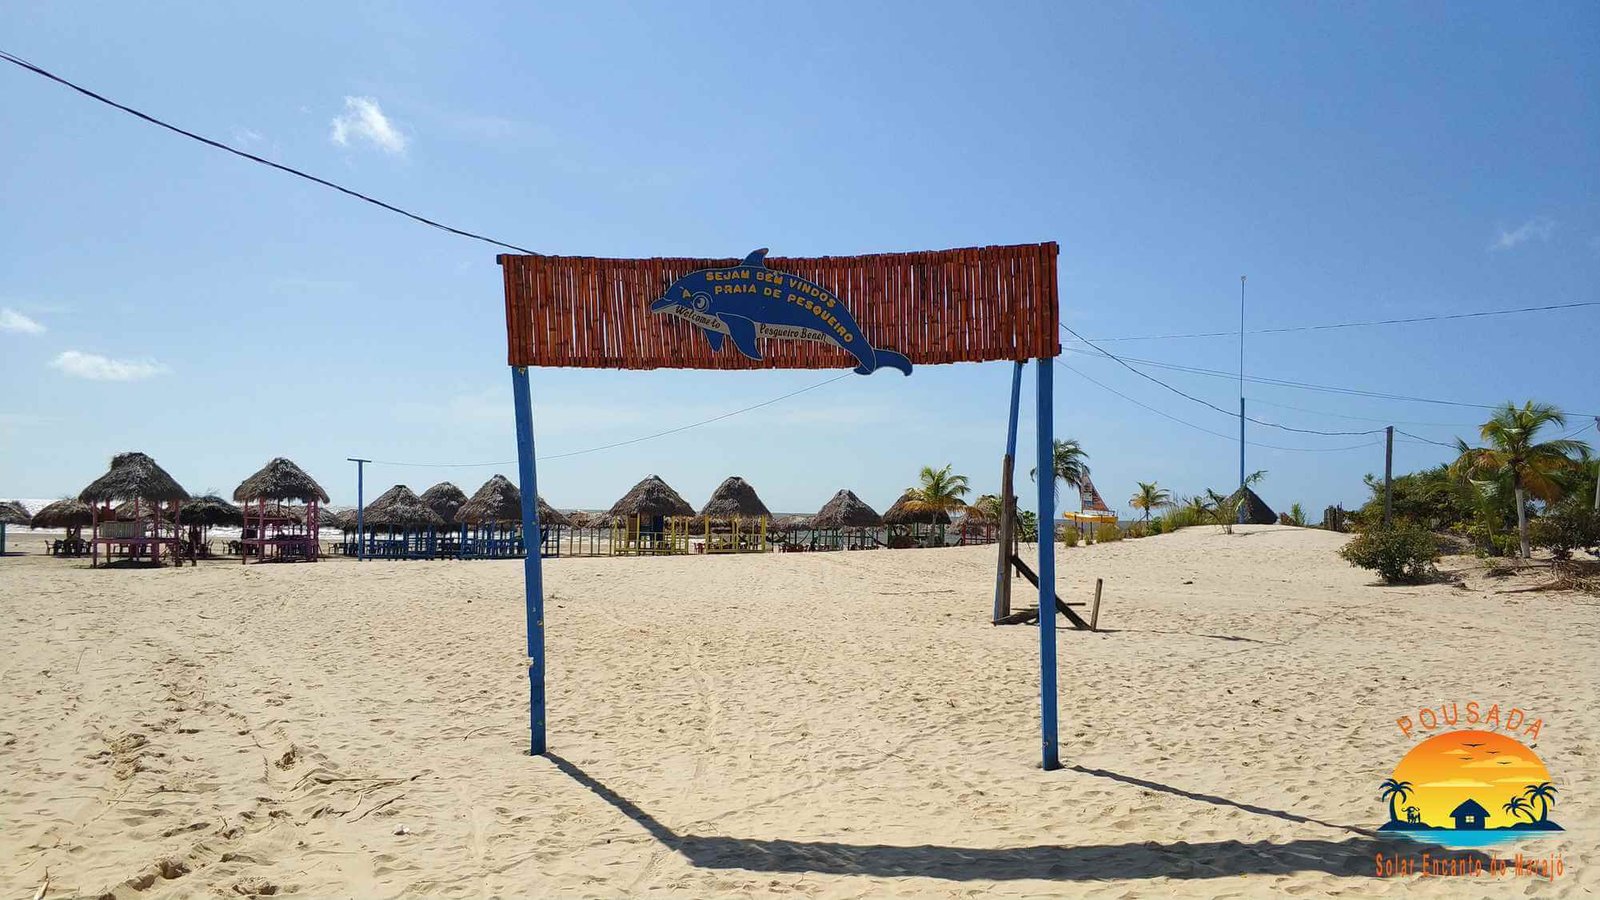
837	725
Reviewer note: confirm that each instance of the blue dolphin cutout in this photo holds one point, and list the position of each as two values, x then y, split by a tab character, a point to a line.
733	303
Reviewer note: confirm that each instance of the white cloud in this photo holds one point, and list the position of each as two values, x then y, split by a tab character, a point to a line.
246	136
1540	229
1457	783
13	321
363	119
100	368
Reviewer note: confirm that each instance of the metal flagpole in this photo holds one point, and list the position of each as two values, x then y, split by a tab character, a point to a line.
1243	505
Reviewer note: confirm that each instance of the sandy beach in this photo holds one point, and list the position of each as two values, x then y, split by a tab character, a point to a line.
831	724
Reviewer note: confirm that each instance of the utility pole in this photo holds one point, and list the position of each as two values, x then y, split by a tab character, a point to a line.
1597	473
1244	507
1388	471
361	504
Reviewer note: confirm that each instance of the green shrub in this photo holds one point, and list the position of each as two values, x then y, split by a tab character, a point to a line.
1157	526
1567	529
1136	530
1107	532
1069	536
1401	552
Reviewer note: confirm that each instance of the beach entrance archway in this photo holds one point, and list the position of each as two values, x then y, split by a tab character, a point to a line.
882	311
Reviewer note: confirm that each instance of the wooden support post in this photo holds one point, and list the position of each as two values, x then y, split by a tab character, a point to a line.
1388	471
1094	611
532	571
1008	505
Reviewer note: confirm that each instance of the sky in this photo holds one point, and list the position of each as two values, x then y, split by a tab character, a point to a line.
1355	161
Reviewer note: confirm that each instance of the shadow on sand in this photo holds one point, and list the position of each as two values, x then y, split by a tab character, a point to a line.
1353	857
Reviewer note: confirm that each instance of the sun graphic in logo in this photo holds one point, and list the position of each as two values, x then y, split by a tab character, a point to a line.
1470	788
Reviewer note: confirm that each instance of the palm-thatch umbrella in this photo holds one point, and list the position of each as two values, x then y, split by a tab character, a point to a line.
791	523
584	519
129	510
209	511
134	476
734	498
444	498
904	512
13	512
336	519
399	508
651	498
69	514
280	480
846	510
499	502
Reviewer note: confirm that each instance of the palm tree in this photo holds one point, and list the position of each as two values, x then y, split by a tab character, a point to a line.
1150	496
938	491
1512	452
1070	465
1396	792
1545	793
1518	806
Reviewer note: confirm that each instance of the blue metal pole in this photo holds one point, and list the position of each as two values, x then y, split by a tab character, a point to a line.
532	573
1003	570
1047	563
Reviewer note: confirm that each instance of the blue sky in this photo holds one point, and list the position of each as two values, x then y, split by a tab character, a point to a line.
1357	161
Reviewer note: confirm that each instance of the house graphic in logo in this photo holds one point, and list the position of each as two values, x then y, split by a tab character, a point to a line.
1470	789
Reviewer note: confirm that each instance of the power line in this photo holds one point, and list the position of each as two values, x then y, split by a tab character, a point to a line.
1388	421
1187	396
1301	385
630	441
22	63
1334	325
1185	422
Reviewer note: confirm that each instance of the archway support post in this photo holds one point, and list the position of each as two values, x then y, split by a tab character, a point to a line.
532	570
1046	482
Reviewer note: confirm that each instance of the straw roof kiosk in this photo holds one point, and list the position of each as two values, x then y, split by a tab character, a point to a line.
11	513
203	513
445	498
912	527
875	315
491	523
156	499
650	519
70	516
399	526
845	522
735	520
274	528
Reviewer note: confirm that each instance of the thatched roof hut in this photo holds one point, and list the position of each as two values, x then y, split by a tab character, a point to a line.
499	502
650	498
63	514
280	480
133	476
791	523
735	498
14	513
208	511
1256	511
338	519
444	498
126	510
398	507
846	510
903	513
582	519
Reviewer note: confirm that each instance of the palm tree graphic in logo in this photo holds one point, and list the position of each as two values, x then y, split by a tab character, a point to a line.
1470	789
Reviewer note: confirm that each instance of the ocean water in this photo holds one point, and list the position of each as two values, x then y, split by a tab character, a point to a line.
1466	840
